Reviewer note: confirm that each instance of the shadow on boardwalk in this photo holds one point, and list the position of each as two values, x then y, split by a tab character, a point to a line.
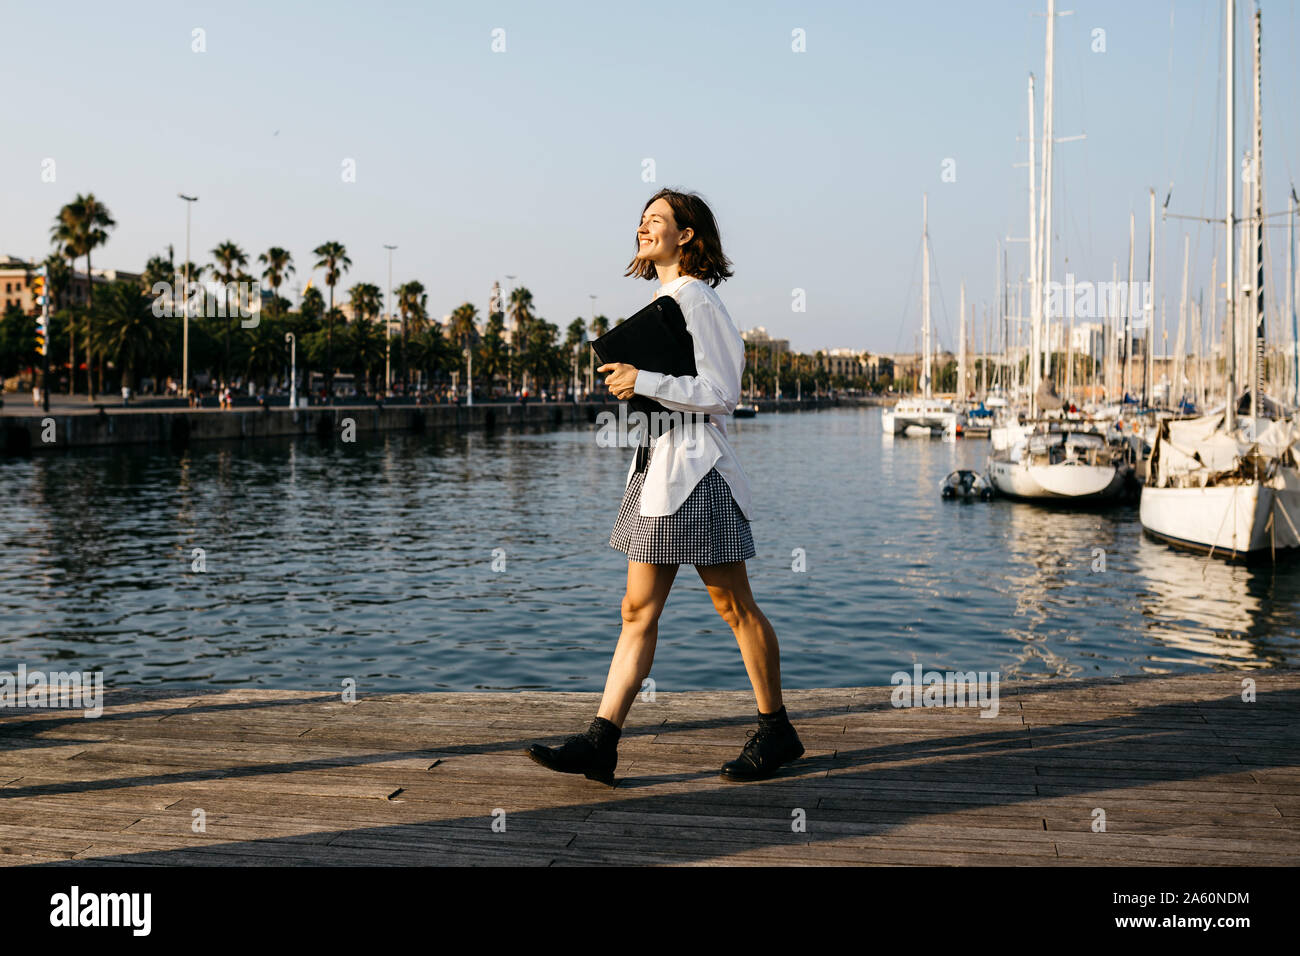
1184	770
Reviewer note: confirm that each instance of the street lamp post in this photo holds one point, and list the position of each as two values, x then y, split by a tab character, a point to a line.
591	370
510	353
293	369
185	300
388	327
469	374
577	347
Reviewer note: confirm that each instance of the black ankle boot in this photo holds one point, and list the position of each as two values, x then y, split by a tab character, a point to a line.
593	754
773	744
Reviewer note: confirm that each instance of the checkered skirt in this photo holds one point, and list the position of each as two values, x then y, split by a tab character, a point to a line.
708	528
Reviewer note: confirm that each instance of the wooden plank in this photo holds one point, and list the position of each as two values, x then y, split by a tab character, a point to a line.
1185	773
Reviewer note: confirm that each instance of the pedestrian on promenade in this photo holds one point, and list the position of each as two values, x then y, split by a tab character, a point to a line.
686	502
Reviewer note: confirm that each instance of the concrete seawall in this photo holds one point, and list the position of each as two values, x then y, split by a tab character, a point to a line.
61	429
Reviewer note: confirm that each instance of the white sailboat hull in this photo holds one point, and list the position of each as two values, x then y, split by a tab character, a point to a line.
1233	519
919	422
1062	482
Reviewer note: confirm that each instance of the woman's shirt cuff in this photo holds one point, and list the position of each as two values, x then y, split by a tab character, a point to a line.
647	382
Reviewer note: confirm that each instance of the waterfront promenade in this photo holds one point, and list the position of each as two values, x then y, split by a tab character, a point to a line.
79	424
1183	771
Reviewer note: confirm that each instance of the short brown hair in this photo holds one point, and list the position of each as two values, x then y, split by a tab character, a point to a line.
702	256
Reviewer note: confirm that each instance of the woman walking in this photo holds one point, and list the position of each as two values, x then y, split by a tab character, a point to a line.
687	502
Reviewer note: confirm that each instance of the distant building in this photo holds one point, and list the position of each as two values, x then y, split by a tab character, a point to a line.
100	277
758	337
850	363
878	367
909	363
16	282
1088	339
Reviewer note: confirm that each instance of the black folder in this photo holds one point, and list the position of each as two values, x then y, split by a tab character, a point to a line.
655	339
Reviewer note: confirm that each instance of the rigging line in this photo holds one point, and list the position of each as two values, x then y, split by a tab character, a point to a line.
1169	94
1214	159
938	283
1206	36
1087	168
906	302
1280	115
1072	218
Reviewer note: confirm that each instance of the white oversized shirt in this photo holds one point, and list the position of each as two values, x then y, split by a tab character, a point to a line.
684	454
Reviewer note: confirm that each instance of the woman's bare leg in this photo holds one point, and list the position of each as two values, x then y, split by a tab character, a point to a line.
647	593
728	586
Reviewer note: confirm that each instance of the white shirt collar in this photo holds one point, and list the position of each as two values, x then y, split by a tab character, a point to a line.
671	287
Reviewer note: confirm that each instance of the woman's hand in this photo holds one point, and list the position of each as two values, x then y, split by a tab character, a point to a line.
622	380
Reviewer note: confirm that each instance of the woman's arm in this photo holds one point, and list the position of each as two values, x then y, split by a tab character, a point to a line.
719	358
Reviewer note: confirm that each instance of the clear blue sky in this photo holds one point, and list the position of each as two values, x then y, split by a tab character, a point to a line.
528	162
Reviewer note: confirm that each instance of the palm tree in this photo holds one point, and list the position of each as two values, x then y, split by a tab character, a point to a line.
521	311
267	353
279	266
366	300
156	270
195	274
429	350
599	326
129	333
230	262
333	258
62	237
540	356
412	302
364	342
494	358
82	226
462	329
312	306
305	325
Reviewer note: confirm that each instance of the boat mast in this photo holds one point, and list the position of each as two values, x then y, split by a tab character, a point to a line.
1148	373
989	380
1257	188
1128	312
1230	312
998	372
984	364
1112	340
961	349
925	293
1033	271
1213	371
1290	293
1180	348
1045	273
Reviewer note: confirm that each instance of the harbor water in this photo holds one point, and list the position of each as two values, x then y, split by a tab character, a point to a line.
480	561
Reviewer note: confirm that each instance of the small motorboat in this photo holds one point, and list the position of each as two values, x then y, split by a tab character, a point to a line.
967	485
745	411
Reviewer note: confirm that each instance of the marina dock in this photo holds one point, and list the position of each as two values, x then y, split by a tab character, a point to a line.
1183	771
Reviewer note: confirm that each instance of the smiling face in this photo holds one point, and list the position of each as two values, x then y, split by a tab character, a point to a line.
658	238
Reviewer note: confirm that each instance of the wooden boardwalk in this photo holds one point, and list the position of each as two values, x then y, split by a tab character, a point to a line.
1184	770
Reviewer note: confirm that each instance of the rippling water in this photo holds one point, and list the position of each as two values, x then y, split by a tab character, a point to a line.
375	561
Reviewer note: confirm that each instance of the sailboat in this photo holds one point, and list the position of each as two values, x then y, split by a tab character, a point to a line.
923	415
1215	483
1037	462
